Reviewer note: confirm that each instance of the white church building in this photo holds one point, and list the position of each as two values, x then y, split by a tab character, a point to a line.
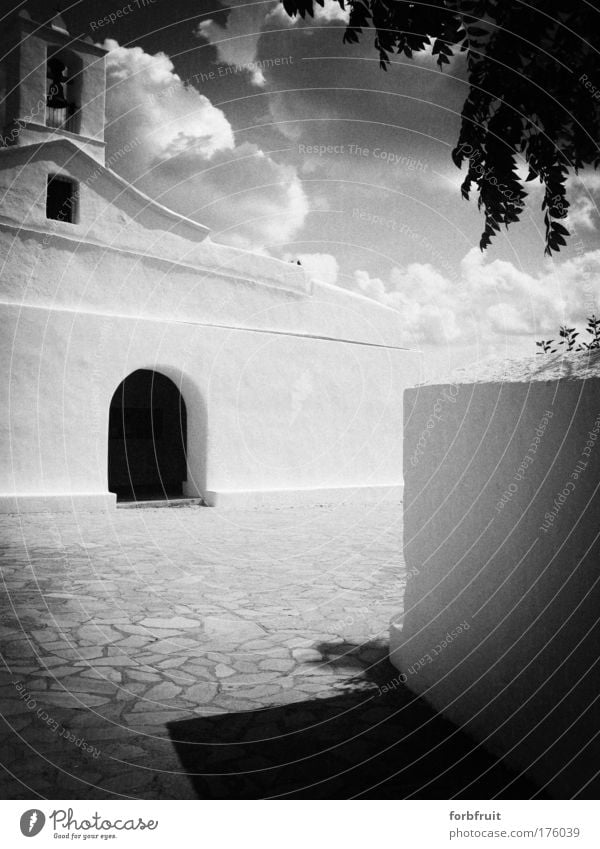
141	359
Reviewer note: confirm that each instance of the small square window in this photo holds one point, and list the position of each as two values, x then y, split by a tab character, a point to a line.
62	199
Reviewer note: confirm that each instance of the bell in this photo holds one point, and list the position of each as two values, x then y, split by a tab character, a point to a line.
56	89
56	99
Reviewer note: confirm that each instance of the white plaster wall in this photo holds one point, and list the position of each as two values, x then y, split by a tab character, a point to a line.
290	385
501	628
131	257
265	412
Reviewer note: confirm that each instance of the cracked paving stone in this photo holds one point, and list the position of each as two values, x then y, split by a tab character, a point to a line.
136	629
200	693
179	677
299	642
173	646
61	672
154	719
239	628
138	675
125	751
261	692
88	685
106	674
50	662
175	622
223	671
171	662
131	691
277	665
108	661
268	642
98	635
307	655
209	710
81	653
244	680
165	690
134	642
245	665
288	697
217	651
235	705
78	701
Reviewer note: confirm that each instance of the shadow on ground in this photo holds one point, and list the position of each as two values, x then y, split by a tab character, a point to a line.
361	743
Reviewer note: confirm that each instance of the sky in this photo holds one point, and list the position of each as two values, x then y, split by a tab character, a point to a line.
284	140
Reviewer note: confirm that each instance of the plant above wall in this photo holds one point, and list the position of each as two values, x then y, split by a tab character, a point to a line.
534	85
569	335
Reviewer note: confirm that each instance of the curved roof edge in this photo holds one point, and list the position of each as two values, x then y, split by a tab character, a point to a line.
293	277
200	230
357	296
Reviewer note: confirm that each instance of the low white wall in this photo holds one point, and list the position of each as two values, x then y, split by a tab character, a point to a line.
501	624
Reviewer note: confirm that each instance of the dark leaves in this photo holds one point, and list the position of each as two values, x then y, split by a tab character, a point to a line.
528	102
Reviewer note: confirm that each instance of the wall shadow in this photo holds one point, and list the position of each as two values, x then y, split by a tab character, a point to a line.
364	742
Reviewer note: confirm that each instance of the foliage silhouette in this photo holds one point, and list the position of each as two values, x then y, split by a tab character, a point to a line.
533	87
569	335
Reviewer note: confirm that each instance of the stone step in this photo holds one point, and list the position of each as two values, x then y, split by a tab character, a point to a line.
161	502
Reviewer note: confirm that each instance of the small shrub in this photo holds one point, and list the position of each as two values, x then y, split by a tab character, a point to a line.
569	337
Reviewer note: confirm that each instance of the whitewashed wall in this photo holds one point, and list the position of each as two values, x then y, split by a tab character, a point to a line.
293	388
501	630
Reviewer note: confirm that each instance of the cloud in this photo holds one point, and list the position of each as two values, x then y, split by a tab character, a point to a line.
148	101
237	40
583	214
247	198
186	155
330	12
583	191
492	299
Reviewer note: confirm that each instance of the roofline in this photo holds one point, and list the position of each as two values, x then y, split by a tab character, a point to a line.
150	202
48	32
127	188
357	296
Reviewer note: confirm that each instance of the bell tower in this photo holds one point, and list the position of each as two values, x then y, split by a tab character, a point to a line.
55	85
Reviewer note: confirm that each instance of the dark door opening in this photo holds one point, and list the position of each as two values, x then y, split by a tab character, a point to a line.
147	435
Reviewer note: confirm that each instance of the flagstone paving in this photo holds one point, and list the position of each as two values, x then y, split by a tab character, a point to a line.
113	625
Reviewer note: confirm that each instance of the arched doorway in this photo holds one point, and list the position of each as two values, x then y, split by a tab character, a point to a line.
147	435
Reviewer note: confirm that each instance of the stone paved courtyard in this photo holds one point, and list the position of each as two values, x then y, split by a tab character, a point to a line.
144	649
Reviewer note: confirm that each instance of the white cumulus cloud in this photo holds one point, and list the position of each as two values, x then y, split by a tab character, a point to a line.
236	40
185	154
148	101
329	12
490	299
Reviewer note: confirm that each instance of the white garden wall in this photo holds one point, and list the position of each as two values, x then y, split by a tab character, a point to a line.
501	626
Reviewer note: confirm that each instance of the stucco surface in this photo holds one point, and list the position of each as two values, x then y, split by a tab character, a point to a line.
500	629
290	385
265	412
130	256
